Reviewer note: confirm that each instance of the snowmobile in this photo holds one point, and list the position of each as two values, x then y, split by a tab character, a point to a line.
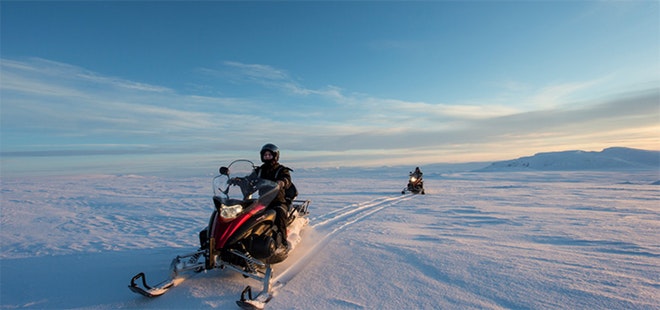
241	235
415	184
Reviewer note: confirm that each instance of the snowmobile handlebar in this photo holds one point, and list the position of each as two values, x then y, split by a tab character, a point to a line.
239	181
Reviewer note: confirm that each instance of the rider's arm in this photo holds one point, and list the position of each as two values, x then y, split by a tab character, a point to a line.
284	178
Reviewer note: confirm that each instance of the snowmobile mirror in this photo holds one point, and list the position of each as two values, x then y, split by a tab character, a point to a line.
224	170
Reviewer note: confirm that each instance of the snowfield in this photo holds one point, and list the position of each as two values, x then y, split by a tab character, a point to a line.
476	240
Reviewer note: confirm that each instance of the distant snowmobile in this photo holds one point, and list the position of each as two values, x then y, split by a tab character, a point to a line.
415	183
241	235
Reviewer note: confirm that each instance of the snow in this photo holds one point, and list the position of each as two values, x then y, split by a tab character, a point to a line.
569	239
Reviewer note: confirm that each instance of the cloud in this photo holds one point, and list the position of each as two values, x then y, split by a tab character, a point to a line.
53	107
555	95
39	69
55	102
258	72
263	75
635	112
360	110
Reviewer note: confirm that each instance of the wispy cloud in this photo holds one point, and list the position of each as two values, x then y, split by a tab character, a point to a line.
59	101
39	69
366	108
258	72
559	94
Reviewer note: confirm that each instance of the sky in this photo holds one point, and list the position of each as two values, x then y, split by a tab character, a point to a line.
101	85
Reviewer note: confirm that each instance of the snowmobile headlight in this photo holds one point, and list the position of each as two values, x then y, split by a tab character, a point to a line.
230	212
413	179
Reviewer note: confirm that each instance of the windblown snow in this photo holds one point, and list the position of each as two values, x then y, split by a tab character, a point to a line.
569	239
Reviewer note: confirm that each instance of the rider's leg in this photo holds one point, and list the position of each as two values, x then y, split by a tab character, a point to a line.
281	220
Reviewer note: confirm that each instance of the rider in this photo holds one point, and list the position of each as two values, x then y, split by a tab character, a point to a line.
272	170
418	173
416	183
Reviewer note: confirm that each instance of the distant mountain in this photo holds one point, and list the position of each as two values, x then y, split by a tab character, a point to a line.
614	158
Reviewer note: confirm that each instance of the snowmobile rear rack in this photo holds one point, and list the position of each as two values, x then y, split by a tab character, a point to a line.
301	206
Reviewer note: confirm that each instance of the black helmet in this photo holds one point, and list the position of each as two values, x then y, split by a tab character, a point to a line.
273	149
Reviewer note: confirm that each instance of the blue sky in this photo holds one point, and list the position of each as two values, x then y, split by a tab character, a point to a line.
100	84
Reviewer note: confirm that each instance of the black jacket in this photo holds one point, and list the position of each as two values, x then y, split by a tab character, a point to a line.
276	172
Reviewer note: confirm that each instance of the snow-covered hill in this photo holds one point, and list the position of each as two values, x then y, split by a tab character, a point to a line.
614	158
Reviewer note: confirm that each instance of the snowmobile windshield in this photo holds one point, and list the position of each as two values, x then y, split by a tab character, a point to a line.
241	184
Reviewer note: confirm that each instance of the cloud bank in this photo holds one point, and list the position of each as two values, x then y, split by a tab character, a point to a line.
51	108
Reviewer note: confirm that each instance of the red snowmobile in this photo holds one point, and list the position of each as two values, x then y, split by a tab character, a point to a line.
241	235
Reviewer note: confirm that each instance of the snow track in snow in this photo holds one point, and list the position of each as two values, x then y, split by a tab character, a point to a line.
328	225
354	213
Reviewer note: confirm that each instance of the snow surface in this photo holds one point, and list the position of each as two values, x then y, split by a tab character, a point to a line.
476	240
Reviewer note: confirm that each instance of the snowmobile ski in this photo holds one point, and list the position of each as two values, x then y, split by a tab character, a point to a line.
257	303
180	263
147	290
